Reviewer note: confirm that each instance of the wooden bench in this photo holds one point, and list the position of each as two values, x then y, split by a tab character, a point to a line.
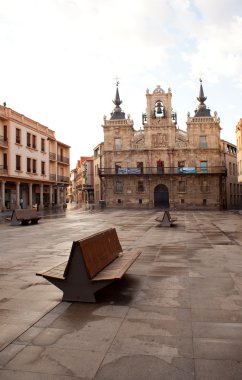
24	216
166	220
94	263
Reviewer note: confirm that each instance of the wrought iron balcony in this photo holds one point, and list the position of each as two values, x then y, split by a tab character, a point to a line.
63	159
61	178
3	170
3	141
212	170
52	177
52	156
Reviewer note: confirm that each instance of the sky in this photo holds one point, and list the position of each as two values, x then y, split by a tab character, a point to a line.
60	60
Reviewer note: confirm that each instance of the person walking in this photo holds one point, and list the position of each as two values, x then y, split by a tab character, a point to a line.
21	202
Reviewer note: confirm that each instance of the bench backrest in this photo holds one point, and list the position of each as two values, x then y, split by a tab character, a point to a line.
97	250
25	213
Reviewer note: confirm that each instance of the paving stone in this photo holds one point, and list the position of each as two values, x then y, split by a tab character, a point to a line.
145	367
176	314
218	369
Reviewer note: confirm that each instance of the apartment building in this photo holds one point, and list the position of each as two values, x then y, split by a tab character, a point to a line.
97	162
161	165
239	155
85	180
239	149
71	190
34	166
233	188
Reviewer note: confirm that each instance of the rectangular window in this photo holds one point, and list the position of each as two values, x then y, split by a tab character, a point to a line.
42	167
160	166
117	167
181	164
18	136
5	161
42	145
117	144
204	166
33	141
28	165
34	166
202	142
18	162
204	187
28	139
119	187
181	186
5	133
96	170
140	166
141	188
230	168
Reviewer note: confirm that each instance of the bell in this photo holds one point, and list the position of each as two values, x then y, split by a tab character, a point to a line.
159	109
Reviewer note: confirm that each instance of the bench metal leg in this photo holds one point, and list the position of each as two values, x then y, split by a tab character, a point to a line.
77	286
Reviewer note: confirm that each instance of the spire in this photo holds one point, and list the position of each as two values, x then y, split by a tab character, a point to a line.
117	100
117	112
201	98
202	110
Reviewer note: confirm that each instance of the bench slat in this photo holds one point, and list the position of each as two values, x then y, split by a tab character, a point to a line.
118	267
56	272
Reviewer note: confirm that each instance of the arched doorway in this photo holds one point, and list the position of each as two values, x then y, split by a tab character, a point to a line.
161	196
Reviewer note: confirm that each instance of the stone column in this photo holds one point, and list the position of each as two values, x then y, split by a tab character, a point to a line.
3	195
30	196
41	206
17	194
51	196
58	196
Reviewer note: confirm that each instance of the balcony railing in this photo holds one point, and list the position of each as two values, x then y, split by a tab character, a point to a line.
52	156
52	177
3	169
61	178
3	141
63	159
221	170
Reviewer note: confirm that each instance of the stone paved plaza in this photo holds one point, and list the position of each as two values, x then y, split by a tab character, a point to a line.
176	314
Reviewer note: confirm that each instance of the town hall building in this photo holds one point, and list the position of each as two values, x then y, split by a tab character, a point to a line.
161	165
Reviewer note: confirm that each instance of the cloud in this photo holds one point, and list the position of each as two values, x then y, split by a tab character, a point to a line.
60	57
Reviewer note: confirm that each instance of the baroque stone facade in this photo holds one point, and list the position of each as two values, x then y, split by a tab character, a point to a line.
161	165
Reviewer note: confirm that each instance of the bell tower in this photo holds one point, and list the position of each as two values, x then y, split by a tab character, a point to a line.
203	127
118	130
160	119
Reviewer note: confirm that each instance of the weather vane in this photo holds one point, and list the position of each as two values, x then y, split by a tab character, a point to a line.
117	80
